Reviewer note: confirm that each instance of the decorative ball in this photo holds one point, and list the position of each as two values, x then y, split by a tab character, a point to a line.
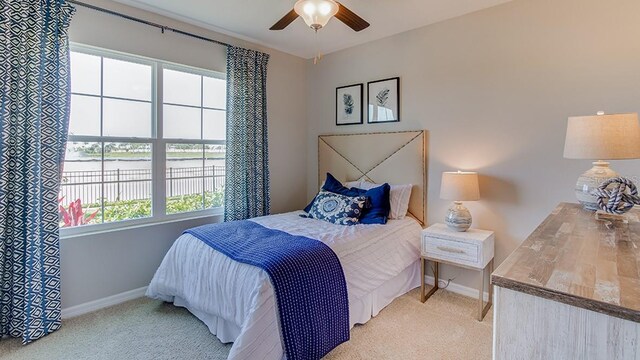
617	195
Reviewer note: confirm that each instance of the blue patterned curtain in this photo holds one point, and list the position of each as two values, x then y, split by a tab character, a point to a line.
246	192
34	118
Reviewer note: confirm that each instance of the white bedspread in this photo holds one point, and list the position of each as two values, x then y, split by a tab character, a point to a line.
237	300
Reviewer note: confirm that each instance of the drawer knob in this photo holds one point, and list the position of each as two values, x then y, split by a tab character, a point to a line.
450	249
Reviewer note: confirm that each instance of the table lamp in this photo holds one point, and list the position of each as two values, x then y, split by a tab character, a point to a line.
459	186
600	137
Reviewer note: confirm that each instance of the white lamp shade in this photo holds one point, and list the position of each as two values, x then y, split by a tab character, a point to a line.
316	13
460	186
603	137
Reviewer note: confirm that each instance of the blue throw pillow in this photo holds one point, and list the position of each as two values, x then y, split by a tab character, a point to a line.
376	212
330	184
380	206
337	209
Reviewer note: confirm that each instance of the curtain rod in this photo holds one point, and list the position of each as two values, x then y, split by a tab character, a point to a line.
162	28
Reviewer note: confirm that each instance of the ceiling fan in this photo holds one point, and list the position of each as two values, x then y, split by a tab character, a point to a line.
317	13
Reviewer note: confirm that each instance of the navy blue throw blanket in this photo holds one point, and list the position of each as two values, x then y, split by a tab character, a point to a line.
307	278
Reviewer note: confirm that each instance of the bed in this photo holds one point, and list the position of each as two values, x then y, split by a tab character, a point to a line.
380	262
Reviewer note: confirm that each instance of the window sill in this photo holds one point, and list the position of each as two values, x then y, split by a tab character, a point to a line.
80	231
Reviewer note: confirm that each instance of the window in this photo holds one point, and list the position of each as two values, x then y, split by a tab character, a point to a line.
194	110
146	140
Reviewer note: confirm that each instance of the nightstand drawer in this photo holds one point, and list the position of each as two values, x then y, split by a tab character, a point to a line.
450	250
472	248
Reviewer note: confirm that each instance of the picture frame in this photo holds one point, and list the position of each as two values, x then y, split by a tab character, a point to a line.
349	104
383	101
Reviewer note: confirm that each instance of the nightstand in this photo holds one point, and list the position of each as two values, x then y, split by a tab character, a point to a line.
472	249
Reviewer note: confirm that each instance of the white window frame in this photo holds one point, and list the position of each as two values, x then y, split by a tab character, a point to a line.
158	146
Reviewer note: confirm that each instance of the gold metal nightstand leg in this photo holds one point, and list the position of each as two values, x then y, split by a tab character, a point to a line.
482	308
423	270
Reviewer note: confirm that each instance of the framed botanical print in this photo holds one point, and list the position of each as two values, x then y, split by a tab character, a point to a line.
349	104
383	100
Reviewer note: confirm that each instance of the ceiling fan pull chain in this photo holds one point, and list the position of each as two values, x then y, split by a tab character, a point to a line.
318	57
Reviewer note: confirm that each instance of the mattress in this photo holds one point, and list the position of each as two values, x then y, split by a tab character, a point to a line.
237	301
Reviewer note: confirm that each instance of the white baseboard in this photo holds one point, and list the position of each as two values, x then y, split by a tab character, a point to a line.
460	289
94	305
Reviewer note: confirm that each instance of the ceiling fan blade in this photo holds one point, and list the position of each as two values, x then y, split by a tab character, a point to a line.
351	19
285	21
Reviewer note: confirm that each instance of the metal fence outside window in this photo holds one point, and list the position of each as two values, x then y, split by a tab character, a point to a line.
136	184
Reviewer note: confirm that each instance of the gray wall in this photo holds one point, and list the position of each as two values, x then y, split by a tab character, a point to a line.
495	88
103	264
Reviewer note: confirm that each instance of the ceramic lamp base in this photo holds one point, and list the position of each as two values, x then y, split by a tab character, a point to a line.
590	180
458	217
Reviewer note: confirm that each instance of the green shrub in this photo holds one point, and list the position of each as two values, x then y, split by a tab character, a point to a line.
134	209
126	210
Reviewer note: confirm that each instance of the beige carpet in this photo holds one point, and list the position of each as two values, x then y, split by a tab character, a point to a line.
442	328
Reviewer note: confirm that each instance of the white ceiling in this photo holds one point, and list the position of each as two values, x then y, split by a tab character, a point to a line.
251	19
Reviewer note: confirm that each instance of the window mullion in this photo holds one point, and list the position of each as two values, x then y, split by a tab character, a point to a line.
102	188
117	139
204	161
159	150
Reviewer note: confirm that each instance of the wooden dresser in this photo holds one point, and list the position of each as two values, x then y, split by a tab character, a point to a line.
571	290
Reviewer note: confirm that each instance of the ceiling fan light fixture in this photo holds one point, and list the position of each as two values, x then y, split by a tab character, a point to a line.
316	13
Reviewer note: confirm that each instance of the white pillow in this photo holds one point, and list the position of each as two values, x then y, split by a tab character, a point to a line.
398	197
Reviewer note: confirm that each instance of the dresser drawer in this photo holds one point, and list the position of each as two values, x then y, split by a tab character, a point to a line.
452	250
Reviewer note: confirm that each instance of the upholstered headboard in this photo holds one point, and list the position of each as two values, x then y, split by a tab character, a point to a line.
393	157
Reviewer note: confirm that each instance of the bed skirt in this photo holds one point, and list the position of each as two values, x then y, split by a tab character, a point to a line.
360	310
